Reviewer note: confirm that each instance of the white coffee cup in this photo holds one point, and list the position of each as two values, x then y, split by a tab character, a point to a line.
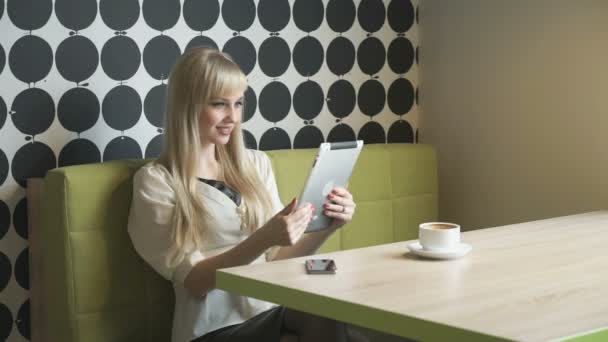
439	236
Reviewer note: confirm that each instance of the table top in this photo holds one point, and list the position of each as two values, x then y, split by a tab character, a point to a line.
534	281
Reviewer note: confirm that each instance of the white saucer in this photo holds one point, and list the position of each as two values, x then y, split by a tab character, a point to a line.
454	253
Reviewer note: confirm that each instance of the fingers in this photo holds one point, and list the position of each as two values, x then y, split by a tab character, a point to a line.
303	219
338	208
341	192
299	213
340	201
290	207
298	224
341	206
345	217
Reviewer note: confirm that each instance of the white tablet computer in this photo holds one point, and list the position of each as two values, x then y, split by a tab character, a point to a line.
333	166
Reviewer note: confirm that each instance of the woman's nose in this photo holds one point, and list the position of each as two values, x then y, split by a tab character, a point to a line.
233	113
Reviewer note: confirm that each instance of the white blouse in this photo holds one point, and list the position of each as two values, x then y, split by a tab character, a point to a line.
150	230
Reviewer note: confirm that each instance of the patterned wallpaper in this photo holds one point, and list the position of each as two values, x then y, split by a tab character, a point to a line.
83	81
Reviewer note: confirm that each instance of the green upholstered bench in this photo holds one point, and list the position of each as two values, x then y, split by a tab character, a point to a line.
96	288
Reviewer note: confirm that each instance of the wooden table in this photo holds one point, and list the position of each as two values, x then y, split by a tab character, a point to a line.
535	281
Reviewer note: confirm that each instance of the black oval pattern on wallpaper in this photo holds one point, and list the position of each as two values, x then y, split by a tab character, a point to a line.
154	105
275	102
274	15
400	55
20	218
5	219
341	15
201	15
121	108
201	41
308	56
371	97
341	98
122	147
79	151
372	133
274	56
308	100
29	15
401	96
2	58
242	51
160	54
308	14
371	55
400	15
238	14
76	14
342	132
6	322
154	147
371	15
275	139
400	132
308	137
78	109
23	319
30	59
251	103
3	168
5	272
119	15
161	15
3	112
33	111
340	56
1	8
249	140
76	58
120	58
32	160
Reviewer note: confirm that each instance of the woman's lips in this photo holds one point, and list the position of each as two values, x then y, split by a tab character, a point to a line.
224	130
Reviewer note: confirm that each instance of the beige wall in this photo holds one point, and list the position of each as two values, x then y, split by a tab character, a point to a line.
514	95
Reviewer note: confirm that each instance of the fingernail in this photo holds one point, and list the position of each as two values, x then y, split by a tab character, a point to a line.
326	205
331	196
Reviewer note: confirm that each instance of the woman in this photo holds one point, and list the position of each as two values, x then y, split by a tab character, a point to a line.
208	203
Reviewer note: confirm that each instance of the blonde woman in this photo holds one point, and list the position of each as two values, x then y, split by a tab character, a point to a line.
208	203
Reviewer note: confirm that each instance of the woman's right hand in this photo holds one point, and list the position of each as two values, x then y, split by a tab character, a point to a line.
287	226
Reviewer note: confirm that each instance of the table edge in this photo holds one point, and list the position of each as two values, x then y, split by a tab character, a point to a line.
595	335
372	318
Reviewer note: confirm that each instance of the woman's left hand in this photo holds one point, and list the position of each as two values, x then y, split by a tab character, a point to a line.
341	207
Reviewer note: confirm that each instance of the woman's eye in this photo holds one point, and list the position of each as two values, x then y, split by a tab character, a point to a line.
218	104
239	104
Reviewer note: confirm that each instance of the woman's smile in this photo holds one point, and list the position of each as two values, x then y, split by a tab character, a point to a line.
225	130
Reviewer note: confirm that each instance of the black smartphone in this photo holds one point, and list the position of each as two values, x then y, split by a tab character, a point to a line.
320	266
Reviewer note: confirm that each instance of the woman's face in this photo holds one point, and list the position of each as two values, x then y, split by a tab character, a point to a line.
219	118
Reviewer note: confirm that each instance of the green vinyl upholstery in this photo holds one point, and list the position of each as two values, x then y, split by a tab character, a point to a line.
98	289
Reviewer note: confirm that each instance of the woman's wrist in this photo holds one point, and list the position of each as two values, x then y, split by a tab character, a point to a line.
263	238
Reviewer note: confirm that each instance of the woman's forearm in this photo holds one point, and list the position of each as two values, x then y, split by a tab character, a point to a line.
201	278
307	245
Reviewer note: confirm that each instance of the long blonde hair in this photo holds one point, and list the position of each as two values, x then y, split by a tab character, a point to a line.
198	76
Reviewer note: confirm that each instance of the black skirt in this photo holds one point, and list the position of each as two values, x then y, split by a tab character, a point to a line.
265	326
